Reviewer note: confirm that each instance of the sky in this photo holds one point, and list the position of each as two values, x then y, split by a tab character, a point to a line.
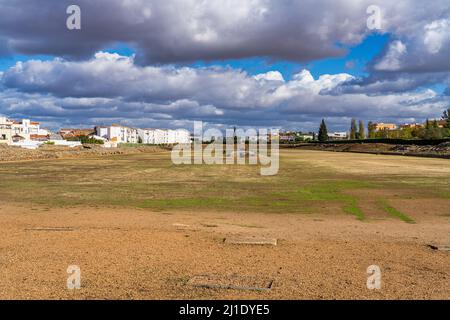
249	63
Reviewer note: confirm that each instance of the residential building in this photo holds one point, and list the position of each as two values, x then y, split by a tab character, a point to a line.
182	136
76	133
287	138
118	133
338	136
385	126
442	123
121	134
160	136
27	130
5	131
411	126
147	136
306	136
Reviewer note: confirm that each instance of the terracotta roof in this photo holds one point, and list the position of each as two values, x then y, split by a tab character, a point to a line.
38	136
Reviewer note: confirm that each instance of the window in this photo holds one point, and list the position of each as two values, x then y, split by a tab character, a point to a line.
3	137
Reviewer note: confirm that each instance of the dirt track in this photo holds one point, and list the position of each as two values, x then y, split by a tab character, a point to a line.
143	255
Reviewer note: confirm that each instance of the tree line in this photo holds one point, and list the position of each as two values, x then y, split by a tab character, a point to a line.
430	130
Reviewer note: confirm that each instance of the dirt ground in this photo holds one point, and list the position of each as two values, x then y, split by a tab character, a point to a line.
132	253
136	254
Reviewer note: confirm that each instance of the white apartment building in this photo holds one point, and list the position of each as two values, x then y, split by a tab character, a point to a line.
122	134
119	134
160	136
147	136
183	136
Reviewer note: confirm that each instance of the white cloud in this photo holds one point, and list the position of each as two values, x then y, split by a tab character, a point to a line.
392	59
112	88
424	49
270	76
437	34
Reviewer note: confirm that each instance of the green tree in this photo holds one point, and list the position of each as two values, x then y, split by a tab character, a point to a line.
371	128
353	130
323	132
432	131
361	131
406	133
446	117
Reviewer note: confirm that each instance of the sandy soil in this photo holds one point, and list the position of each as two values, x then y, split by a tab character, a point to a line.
139	254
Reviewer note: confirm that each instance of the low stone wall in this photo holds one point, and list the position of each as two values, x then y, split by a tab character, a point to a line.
8	153
438	151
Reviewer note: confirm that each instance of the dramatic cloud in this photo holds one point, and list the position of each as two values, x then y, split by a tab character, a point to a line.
112	88
117	77
426	50
85	85
188	30
205	30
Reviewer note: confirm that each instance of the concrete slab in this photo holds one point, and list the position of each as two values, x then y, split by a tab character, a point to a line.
51	229
233	282
440	247
184	227
251	241
209	225
181	226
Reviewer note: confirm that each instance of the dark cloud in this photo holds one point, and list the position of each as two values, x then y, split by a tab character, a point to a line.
187	30
388	83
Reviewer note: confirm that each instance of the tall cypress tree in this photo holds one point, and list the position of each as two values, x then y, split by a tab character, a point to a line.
362	130
323	132
371	129
353	130
446	116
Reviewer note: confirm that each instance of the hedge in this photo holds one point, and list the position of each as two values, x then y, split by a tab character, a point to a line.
418	142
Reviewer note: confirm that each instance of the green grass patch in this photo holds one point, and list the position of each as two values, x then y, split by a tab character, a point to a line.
334	191
394	212
183	203
351	207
